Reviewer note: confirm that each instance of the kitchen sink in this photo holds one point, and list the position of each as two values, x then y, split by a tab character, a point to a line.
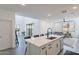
51	38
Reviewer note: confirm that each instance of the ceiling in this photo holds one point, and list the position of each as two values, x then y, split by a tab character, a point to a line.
41	11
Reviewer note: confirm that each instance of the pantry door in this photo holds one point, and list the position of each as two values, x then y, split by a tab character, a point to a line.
5	34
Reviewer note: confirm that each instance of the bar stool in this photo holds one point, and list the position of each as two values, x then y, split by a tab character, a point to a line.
41	34
36	36
28	37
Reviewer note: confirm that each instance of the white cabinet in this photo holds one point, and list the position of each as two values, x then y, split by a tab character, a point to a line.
54	49
57	46
44	50
51	48
47	49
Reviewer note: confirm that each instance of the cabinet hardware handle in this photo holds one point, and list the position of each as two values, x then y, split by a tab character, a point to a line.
49	44
50	47
43	47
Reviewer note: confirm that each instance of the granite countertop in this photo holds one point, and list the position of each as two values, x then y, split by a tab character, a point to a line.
40	41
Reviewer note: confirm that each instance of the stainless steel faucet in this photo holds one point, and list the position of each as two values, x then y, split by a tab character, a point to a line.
49	32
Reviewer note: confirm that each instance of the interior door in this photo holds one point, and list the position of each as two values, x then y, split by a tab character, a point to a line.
5	34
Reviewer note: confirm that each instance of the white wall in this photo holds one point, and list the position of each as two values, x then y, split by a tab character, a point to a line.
44	25
22	21
19	20
6	16
54	24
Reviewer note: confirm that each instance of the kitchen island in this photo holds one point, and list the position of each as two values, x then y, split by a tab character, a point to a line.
44	46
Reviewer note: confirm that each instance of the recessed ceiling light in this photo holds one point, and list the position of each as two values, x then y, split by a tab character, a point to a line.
49	14
74	7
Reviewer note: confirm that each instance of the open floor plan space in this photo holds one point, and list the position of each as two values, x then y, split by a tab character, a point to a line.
39	29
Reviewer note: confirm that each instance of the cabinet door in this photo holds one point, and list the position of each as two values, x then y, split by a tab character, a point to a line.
50	49
57	46
44	50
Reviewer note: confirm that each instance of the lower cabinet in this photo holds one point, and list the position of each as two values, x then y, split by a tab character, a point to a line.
48	49
57	46
52	48
43	50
